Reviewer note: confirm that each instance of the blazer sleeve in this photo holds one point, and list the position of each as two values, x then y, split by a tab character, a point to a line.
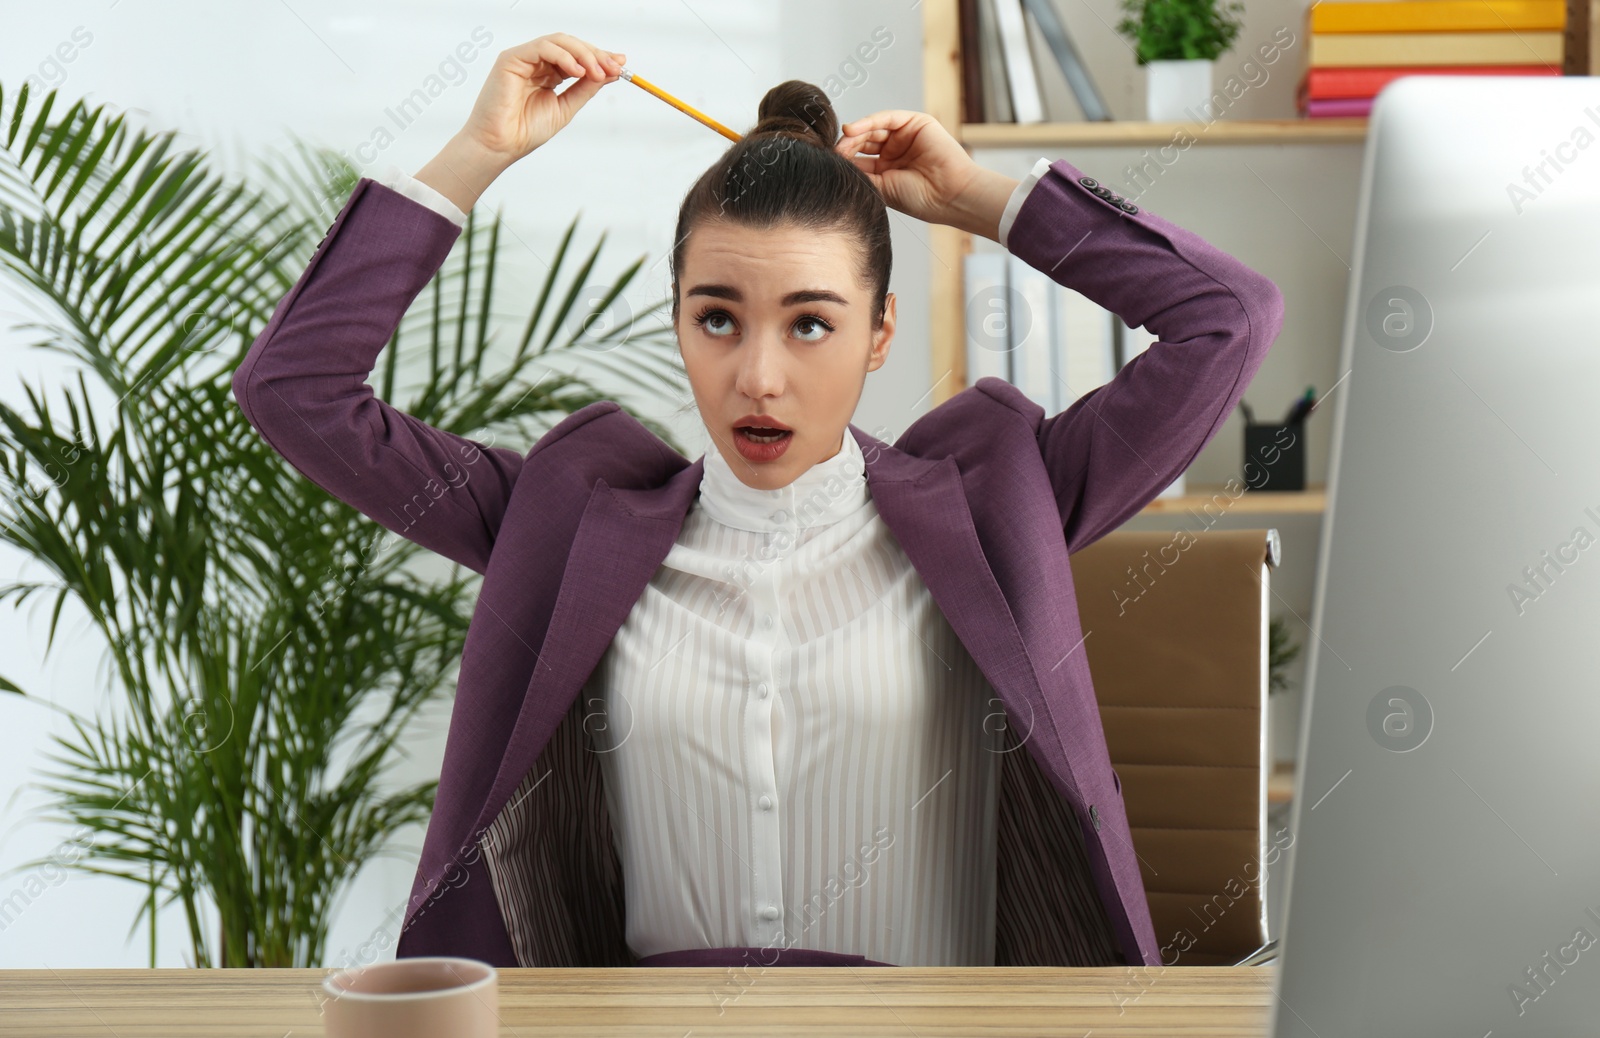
303	384
1120	444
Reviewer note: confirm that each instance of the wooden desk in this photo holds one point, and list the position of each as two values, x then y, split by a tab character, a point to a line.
907	1002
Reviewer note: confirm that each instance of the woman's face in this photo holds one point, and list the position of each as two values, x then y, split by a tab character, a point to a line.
774	323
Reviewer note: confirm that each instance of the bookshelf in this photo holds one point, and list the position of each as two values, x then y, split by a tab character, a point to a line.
942	100
941	68
1298	512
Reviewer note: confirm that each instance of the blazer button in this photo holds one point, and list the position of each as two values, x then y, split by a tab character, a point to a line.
1102	191
1089	182
1128	207
1094	816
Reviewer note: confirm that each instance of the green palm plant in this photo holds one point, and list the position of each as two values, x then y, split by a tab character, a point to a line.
268	644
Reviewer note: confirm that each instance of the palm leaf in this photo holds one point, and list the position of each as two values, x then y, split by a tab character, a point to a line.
270	645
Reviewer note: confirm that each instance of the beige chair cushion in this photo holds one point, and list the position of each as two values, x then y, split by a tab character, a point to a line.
1175	628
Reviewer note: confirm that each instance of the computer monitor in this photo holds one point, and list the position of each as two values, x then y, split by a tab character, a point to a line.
1445	872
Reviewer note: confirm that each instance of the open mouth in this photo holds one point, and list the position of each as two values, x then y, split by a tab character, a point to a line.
760	435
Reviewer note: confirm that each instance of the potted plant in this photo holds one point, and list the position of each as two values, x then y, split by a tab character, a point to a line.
269	644
1177	41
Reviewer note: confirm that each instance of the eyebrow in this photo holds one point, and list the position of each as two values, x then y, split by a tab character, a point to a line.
804	295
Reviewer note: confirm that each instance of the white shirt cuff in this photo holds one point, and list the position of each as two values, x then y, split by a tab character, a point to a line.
1018	195
392	176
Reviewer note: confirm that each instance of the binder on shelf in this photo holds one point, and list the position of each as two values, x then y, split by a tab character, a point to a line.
1087	345
987	316
996	95
1050	341
1134	342
1034	337
972	85
1077	76
1027	102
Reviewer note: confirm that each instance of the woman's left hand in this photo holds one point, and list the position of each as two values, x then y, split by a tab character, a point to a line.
921	170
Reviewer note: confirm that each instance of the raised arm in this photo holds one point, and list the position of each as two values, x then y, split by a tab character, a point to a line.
303	383
1119	445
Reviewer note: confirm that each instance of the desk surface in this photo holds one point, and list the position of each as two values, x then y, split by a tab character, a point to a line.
914	1002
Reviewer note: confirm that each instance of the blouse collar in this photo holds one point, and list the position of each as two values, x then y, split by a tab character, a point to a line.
823	494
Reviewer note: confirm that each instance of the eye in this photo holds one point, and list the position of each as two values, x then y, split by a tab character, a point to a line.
813	319
707	314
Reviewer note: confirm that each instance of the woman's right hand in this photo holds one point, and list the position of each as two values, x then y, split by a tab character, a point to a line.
518	108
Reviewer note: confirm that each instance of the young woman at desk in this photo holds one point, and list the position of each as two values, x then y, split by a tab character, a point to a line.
847	716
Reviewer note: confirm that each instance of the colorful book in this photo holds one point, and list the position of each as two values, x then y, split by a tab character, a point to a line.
1436	16
1357	47
1338	107
1435	48
1366	82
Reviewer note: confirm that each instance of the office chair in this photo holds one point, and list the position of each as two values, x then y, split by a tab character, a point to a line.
1175	628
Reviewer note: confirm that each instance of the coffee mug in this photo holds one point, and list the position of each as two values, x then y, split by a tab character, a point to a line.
413	998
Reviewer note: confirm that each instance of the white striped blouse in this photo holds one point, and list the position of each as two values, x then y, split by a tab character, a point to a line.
797	750
794	750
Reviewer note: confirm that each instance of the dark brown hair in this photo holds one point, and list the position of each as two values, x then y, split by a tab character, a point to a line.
786	170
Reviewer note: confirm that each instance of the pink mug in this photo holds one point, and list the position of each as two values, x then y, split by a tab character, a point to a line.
413	998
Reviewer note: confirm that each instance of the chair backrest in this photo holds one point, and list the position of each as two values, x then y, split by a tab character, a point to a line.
1175	628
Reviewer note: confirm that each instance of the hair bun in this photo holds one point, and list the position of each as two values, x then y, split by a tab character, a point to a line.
795	108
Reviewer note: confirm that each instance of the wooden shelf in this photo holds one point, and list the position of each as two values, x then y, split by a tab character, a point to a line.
1127	133
941	77
1311	501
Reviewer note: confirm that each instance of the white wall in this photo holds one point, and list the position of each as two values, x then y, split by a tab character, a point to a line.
238	79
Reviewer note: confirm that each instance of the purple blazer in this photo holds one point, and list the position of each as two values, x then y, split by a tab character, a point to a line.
986	494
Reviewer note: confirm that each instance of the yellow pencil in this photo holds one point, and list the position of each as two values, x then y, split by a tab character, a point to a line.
640	81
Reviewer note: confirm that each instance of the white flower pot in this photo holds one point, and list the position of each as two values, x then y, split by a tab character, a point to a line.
1178	91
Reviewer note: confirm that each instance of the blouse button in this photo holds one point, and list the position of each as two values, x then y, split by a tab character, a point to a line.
761	690
770	912
766	803
779	516
766	621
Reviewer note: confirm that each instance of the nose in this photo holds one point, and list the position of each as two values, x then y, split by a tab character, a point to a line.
761	368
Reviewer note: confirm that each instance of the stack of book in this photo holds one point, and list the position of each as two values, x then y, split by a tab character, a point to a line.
1359	46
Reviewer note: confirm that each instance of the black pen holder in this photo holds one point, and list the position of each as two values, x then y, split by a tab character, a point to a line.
1275	456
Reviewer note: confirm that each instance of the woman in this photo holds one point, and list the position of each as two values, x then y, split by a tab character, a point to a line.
844	718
